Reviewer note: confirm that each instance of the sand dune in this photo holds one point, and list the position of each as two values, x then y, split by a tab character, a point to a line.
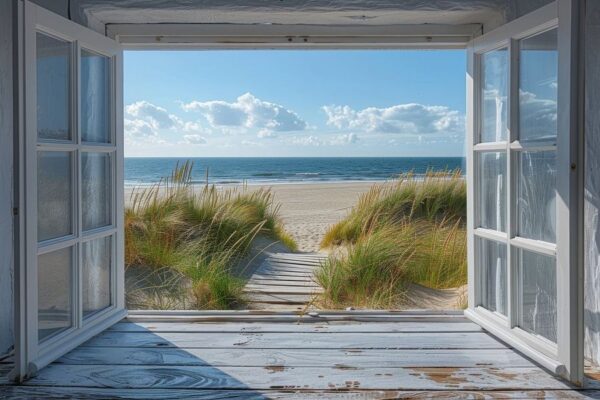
309	209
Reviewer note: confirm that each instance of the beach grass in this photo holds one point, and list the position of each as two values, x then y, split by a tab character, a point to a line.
408	231
198	233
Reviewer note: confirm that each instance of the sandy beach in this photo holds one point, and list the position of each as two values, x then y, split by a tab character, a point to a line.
309	209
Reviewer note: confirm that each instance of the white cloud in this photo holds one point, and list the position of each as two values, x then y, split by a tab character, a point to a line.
137	128
156	116
410	119
194	139
248	111
144	122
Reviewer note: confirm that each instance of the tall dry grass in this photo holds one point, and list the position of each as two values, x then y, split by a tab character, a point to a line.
200	234
412	230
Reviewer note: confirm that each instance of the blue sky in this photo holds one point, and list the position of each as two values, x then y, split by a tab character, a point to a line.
294	103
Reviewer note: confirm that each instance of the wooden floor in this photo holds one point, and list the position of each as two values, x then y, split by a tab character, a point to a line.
284	281
251	355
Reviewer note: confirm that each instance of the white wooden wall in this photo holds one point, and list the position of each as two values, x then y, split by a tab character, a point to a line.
6	177
592	181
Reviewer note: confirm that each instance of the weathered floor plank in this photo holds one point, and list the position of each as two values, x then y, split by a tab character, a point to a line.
278	377
304	326
46	392
403	357
359	358
300	340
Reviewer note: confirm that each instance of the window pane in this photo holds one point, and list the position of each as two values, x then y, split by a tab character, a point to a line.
53	58
537	293
95	118
54	194
491	258
492	190
96	259
96	194
536	197
538	84
54	292
494	96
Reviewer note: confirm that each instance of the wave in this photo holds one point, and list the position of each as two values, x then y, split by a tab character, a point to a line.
267	174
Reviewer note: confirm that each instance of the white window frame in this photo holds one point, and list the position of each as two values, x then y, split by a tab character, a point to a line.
32	355
564	358
198	36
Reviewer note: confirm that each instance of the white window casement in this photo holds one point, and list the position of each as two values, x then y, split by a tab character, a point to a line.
523	170
73	192
525	274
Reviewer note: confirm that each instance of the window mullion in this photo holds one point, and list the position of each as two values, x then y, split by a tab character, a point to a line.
78	208
511	173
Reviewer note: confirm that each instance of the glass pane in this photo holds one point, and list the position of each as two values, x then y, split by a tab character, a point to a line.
54	195
494	96
536	195
96	189
538	84
537	293
96	259
95	118
492	190
491	257
54	292
53	58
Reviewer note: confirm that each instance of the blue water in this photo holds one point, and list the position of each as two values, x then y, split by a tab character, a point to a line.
231	170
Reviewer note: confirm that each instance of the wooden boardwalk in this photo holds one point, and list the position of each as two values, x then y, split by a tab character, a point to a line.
284	281
267	355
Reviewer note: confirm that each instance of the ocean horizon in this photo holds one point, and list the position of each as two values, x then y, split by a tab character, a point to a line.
279	170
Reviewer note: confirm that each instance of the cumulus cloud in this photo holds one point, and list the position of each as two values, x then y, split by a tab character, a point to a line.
157	117
144	122
247	111
410	119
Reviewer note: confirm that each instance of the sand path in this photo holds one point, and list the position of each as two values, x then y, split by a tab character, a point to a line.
308	210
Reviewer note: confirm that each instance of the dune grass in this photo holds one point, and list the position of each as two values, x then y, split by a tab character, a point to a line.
200	234
408	231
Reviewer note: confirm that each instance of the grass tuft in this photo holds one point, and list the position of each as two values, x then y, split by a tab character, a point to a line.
409	231
198	233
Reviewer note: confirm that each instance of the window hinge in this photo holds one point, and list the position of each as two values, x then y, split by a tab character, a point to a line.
15	211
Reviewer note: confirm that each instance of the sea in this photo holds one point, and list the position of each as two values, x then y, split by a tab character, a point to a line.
141	171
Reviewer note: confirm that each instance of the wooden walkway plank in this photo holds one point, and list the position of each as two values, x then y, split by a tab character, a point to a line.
284	281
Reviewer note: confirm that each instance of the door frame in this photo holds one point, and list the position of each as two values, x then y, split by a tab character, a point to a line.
566	357
29	355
